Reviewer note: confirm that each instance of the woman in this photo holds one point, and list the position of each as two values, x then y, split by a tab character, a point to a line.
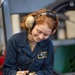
31	51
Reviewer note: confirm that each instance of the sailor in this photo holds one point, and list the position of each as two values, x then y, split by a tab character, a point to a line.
31	52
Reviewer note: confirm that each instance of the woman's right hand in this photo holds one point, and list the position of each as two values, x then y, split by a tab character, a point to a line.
22	72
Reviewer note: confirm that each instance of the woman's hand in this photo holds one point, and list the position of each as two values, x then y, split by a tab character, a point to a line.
22	72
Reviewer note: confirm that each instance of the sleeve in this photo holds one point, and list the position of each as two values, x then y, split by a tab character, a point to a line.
47	67
9	67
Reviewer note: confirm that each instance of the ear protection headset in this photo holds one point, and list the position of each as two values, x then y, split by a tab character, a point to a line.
31	21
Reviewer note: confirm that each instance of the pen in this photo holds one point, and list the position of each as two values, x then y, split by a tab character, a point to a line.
19	69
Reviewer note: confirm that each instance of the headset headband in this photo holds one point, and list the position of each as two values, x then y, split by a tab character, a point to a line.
48	14
31	22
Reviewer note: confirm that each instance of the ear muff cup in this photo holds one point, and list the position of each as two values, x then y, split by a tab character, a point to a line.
30	22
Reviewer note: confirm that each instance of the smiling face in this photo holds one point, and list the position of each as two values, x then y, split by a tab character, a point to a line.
40	32
43	28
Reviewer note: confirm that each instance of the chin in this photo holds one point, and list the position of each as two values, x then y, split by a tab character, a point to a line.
37	40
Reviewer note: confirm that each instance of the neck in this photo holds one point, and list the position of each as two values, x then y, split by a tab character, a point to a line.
31	41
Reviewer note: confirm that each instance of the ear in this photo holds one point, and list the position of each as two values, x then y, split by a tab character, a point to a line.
53	32
29	22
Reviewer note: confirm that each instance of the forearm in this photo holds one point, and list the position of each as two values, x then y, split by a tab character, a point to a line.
40	72
7	71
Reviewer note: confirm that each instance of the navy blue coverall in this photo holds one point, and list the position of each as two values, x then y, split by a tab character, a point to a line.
20	56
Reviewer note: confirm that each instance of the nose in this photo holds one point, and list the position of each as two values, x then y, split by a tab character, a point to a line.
41	36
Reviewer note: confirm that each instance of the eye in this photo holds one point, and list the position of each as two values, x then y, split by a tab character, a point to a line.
46	34
39	31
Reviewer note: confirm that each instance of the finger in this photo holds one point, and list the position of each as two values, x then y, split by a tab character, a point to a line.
27	71
21	72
